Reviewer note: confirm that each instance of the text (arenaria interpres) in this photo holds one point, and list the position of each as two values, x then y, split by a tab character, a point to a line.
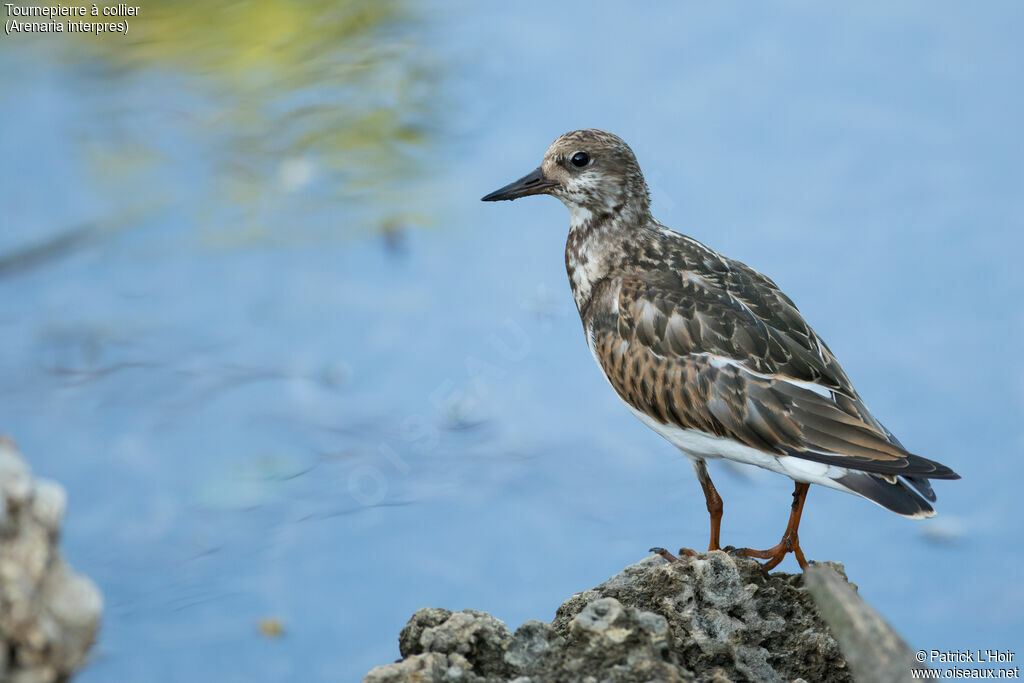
68	19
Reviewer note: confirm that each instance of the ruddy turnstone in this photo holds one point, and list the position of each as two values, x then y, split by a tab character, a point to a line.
708	352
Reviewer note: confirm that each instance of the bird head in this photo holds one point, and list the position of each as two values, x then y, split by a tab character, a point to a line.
591	171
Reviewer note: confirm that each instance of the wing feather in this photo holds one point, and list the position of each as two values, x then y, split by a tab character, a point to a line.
729	354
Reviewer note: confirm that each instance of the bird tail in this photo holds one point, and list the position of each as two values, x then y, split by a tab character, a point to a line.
902	495
908	495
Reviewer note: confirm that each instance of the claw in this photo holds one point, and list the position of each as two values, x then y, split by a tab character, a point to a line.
664	553
685	552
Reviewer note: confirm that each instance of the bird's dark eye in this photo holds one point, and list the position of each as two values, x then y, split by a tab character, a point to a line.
580	159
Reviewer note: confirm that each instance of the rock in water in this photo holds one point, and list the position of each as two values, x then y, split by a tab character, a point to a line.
48	614
707	618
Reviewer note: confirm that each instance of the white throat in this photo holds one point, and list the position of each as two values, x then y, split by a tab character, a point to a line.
585	259
578	215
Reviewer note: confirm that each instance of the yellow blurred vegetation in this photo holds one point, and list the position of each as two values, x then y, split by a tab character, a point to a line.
298	107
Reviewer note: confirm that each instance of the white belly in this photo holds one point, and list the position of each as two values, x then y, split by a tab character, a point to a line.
701	445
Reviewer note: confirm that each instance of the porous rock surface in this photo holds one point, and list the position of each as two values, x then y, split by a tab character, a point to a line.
48	614
711	618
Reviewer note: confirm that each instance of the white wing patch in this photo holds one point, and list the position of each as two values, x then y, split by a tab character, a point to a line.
722	361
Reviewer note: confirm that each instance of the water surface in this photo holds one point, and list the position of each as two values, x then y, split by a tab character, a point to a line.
288	366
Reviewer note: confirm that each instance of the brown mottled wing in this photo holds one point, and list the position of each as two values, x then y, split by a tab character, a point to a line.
739	313
718	352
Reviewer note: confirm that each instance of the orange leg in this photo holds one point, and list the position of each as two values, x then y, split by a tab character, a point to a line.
714	502
790	542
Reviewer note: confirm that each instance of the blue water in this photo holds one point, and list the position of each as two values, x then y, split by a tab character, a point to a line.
332	429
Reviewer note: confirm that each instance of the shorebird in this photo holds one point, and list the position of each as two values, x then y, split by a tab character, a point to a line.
709	353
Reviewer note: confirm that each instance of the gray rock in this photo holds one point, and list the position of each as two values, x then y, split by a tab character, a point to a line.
613	642
48	614
477	636
873	649
707	618
430	666
531	646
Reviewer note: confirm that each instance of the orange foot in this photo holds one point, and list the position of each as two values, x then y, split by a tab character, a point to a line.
790	542
775	554
670	557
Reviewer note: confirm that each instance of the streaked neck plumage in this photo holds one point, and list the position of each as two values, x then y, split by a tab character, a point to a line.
600	239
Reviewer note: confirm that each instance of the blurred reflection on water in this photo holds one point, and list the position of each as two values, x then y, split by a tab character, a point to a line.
308	115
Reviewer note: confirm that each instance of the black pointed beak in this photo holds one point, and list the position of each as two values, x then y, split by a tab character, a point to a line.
532	183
